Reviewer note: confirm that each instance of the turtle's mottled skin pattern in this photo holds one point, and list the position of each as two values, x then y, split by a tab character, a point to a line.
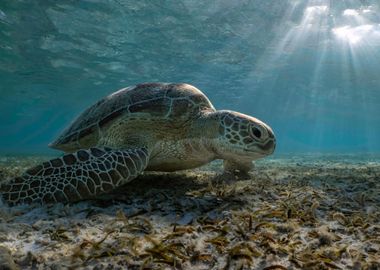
153	126
74	176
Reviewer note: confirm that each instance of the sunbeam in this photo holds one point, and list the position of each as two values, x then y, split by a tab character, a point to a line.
328	38
312	62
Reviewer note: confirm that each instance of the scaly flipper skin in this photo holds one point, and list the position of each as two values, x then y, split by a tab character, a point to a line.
77	176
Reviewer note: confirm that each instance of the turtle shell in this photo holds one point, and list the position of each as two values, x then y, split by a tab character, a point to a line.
177	102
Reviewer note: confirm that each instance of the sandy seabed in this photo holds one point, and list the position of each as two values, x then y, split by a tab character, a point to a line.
305	212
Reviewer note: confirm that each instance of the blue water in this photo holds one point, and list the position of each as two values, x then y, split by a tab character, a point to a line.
310	69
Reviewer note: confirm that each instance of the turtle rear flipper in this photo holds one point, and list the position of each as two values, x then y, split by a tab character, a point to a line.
77	176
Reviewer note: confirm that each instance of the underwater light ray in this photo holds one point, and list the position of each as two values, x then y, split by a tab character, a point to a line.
356	41
296	37
363	101
314	17
277	52
320	37
291	38
314	32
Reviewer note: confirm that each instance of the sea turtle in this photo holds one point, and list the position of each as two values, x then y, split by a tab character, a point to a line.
147	127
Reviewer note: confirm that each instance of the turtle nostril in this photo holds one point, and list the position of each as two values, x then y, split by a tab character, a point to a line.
270	134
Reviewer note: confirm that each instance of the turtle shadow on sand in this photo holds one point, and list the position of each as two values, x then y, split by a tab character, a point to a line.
175	183
151	184
180	194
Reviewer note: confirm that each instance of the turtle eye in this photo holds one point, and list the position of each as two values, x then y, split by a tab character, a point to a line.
256	132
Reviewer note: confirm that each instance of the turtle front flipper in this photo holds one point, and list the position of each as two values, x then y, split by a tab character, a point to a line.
77	176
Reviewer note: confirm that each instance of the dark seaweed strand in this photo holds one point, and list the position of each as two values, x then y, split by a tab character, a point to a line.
75	176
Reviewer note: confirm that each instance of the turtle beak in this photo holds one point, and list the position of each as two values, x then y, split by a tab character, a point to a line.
270	145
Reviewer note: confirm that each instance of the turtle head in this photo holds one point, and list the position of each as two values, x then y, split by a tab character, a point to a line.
242	137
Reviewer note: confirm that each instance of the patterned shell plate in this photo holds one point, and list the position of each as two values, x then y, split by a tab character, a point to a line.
177	102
